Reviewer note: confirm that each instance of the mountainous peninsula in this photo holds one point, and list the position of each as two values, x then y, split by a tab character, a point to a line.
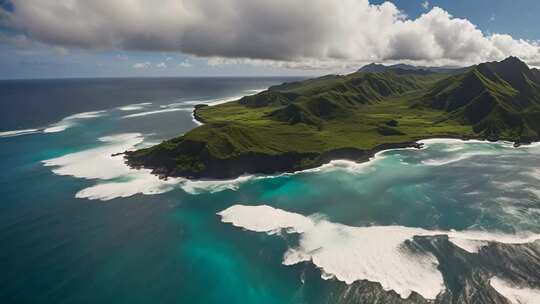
301	125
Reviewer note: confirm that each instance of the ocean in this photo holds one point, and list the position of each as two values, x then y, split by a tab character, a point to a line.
78	226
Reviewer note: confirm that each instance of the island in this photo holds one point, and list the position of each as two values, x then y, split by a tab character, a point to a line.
301	125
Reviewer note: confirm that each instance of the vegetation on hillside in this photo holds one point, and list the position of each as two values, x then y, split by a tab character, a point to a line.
303	124
501	100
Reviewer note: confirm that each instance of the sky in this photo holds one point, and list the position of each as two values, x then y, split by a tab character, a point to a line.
165	38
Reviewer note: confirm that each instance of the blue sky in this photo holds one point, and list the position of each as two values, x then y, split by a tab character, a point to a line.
518	18
280	40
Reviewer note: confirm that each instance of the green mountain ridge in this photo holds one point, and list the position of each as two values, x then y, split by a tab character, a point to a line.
332	96
536	73
300	125
376	68
500	99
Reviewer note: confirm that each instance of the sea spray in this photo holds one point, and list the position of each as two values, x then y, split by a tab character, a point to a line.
373	253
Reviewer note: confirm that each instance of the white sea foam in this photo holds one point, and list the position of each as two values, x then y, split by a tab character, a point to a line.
90	164
459	157
195	120
352	166
347	253
375	253
19	132
509	185
343	165
137	182
349	165
117	179
534	191
254	91
213	101
269	219
189	104
71	121
58	127
135	107
534	173
201	186
218	101
515	294
97	163
450	141
177	105
65	123
456	146
84	115
155	112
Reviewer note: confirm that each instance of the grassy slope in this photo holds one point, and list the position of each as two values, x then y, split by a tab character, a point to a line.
358	130
500	99
236	129
294	125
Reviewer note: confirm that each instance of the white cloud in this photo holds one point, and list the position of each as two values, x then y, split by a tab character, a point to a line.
425	4
185	64
301	33
161	65
142	65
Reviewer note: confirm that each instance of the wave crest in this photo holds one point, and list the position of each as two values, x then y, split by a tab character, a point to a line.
374	253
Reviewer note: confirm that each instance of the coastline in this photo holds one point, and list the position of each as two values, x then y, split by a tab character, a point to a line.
264	164
291	163
254	163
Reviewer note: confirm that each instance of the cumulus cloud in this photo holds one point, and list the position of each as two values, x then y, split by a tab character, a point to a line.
287	33
185	64
142	65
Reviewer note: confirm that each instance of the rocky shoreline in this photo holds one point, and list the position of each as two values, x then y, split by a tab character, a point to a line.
258	163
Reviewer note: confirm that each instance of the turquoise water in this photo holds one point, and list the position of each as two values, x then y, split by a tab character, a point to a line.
172	247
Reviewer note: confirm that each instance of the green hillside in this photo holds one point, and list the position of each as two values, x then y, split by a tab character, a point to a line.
501	100
303	124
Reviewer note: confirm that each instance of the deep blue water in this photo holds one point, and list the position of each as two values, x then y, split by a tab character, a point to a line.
32	103
75	228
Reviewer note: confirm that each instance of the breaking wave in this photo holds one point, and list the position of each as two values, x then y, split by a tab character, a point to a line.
19	132
135	107
71	121
373	253
115	179
62	125
156	112
515	294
